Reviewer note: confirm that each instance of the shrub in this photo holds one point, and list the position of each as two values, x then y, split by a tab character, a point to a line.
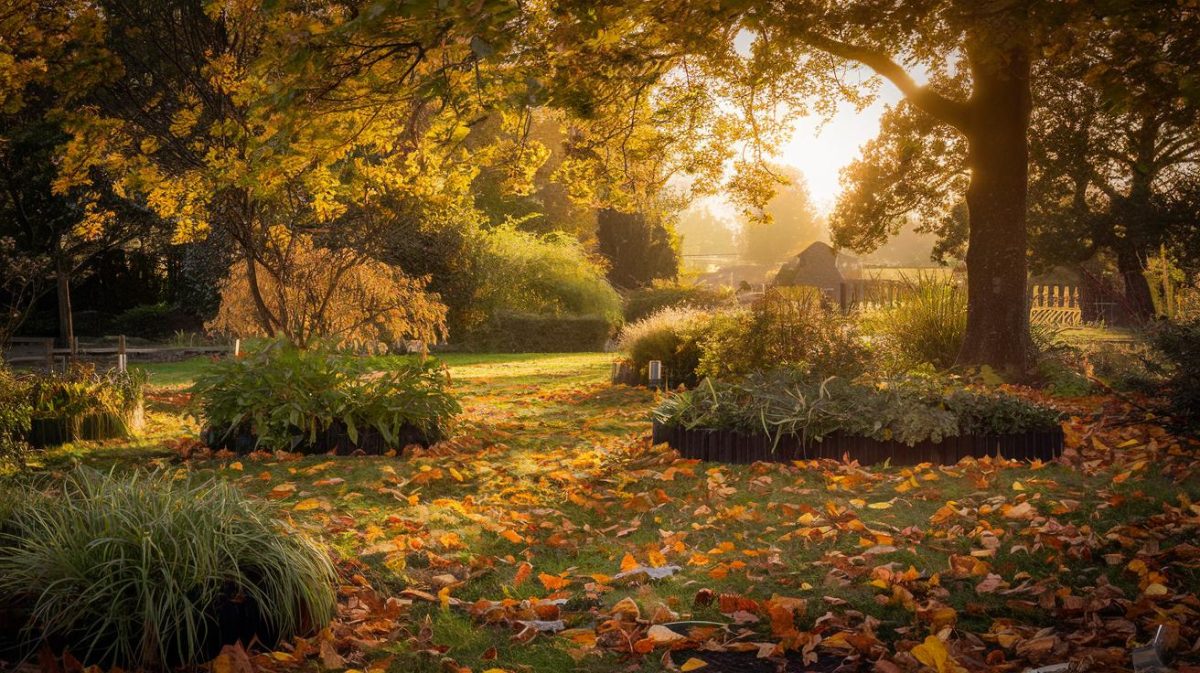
672	336
330	294
151	572
524	333
787	327
927	326
153	321
289	398
84	404
526	273
909	409
1179	344
16	414
647	301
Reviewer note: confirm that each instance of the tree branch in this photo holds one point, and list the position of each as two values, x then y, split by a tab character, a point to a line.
946	110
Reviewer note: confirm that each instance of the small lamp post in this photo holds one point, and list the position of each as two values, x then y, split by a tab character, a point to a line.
656	374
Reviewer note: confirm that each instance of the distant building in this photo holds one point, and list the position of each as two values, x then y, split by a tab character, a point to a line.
819	266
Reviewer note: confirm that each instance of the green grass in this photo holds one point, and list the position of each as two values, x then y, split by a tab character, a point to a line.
548	450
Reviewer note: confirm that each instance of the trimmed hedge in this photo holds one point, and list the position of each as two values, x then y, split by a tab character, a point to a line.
528	333
647	301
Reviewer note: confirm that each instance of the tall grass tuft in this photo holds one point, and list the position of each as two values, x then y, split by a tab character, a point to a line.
672	336
927	326
149	572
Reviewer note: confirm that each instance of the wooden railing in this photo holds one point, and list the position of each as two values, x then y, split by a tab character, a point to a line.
1055	305
35	351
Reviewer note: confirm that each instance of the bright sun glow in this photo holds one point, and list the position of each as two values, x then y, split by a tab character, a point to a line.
822	148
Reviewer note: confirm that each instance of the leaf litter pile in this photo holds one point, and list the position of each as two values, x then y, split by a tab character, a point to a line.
550	535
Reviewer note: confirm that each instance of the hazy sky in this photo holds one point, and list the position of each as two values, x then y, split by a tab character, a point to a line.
821	150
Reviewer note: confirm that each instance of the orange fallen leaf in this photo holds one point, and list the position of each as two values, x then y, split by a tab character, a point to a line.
523	572
553	582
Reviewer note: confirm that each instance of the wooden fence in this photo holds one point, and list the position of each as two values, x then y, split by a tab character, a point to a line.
1048	304
41	352
1055	305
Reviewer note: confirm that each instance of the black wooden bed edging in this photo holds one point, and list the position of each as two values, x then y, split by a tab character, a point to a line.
730	446
334	439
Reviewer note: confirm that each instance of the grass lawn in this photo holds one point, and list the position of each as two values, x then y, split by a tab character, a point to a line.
550	488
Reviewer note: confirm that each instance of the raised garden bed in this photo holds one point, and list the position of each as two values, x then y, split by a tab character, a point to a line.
333	440
731	446
93	426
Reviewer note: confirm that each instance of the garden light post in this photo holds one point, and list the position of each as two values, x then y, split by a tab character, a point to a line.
656	374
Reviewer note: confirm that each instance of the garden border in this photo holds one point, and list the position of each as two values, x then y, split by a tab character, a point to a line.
52	431
333	439
731	446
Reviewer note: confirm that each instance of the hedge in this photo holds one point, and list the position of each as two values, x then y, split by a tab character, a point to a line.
526	333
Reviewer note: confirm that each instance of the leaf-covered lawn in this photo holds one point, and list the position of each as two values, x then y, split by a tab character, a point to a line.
549	535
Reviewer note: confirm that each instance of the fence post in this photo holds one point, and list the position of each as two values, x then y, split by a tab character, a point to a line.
121	361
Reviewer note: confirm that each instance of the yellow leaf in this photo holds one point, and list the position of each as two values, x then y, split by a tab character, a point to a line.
880	505
692	664
1156	589
307	504
933	654
236	465
456	474
444	597
283	490
512	536
657	559
628	563
1018	486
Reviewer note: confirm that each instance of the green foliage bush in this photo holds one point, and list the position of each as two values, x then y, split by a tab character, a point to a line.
84	404
927	327
150	572
1179	344
524	333
673	336
530	274
646	301
788	327
909	409
287	396
16	414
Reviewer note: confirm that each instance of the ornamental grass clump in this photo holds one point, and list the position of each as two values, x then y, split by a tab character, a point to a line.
672	336
288	398
150	572
926	327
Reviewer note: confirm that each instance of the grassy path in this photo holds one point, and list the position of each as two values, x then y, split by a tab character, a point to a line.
550	489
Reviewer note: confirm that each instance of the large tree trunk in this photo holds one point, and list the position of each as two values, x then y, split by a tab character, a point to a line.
66	324
1139	302
998	314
